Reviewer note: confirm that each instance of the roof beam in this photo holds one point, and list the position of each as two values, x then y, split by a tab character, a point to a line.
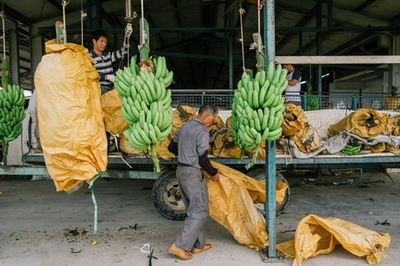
339	15
55	4
333	60
12	14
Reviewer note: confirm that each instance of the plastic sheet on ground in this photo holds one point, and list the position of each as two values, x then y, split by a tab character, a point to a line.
232	202
72	131
316	236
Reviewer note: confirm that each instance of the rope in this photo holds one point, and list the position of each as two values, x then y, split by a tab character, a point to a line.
142	29
259	26
64	4
241	12
123	159
82	16
288	160
3	32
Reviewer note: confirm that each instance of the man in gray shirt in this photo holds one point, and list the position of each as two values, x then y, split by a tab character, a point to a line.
190	144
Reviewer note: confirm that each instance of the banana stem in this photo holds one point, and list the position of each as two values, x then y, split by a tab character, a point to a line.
241	154
5	148
154	157
6	74
253	158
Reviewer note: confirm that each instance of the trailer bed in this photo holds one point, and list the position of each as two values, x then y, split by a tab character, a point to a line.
120	165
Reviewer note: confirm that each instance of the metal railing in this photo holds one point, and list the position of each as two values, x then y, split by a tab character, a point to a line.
309	102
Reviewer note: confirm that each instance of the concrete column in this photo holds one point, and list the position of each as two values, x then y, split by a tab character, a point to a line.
15	147
13	52
394	76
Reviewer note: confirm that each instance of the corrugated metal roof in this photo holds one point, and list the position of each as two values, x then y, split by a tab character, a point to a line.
196	36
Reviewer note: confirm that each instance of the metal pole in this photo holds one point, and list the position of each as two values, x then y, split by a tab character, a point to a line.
270	147
64	4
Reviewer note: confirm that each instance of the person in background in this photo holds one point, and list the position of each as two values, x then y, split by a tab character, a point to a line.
104	60
104	66
292	91
190	144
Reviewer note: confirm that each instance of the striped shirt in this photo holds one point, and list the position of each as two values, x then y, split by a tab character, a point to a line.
104	65
292	93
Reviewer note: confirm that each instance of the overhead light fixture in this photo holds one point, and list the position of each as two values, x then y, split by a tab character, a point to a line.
325	75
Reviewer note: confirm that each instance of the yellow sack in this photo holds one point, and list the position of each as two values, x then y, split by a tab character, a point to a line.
232	200
315	236
260	154
294	119
216	125
180	115
111	105
126	147
224	146
364	122
392	148
377	148
393	125
307	139
228	122
162	148
71	124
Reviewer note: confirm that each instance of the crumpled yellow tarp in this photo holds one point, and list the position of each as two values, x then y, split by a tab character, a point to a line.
231	201
223	145
316	236
364	122
307	139
111	106
71	124
178	120
294	119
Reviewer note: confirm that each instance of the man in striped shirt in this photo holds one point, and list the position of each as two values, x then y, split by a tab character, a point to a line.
104	60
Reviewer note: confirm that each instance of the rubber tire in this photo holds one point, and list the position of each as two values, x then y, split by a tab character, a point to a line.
259	174
167	198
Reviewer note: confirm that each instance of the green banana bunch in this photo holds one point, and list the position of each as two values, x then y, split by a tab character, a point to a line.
12	112
257	108
351	150
312	102
146	104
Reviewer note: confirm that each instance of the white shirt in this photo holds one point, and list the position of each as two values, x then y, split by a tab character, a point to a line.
292	93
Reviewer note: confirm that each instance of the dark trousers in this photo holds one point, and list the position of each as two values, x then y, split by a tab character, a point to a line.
195	197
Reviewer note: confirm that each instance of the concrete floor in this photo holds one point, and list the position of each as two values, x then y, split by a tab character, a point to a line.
39	226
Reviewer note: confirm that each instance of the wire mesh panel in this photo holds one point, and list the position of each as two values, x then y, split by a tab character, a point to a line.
352	102
192	100
319	102
391	103
309	102
221	101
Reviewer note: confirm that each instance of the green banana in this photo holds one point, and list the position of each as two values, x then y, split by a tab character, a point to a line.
270	71
164	134
274	134
167	80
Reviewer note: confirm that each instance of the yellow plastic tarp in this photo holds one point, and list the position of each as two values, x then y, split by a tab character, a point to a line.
111	107
364	122
70	119
316	236
294	119
232	202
